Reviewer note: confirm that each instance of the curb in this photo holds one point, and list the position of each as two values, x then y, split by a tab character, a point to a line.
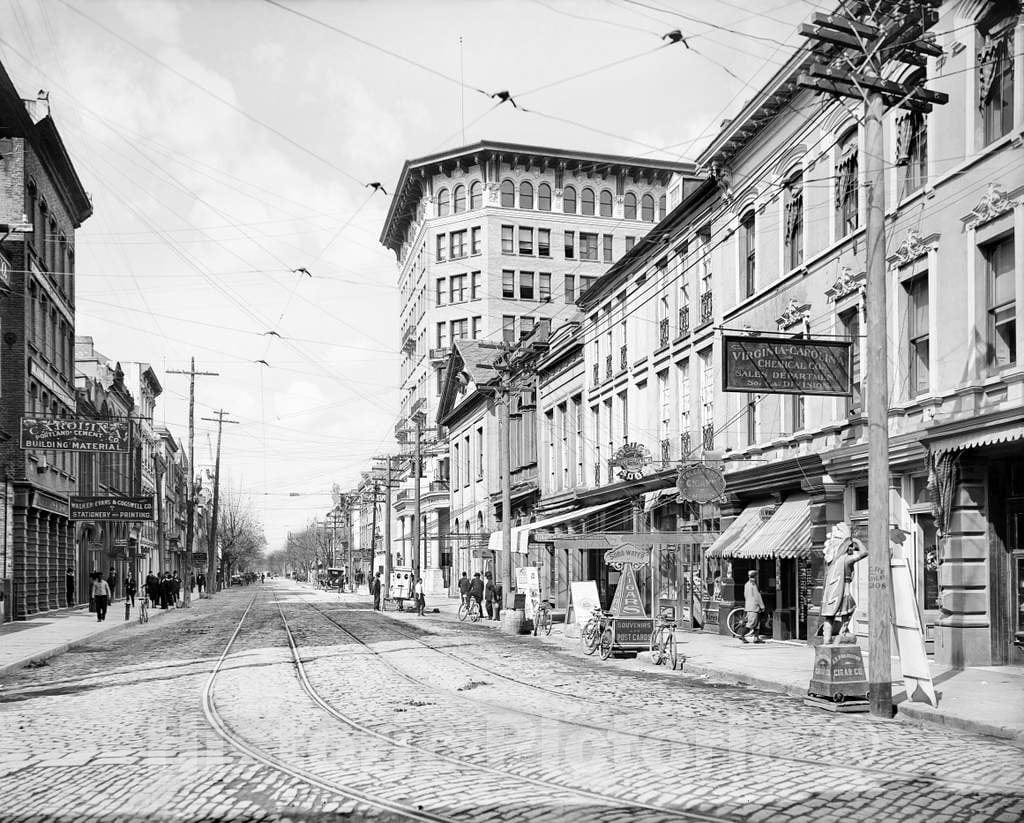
926	716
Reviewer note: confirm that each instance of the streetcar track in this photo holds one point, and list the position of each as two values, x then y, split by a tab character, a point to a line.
814	763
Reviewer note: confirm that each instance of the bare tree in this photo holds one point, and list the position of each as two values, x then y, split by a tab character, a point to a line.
240	534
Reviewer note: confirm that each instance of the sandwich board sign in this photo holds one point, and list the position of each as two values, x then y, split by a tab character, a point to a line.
909	629
583	599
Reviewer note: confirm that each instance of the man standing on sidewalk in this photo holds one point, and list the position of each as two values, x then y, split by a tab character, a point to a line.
375	591
101	596
753	605
69	584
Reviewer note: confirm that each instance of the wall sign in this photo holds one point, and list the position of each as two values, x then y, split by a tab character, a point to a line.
109	507
785	366
74	434
631	460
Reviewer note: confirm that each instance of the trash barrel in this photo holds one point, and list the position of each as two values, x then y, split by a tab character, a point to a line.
512	621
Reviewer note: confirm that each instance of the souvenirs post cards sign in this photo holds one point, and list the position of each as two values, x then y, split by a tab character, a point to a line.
632	625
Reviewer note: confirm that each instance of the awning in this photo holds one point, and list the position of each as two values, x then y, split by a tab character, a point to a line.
786	535
521	534
739	532
655	499
973	439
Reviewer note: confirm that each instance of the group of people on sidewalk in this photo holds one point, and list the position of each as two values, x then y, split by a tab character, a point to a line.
417	595
487	593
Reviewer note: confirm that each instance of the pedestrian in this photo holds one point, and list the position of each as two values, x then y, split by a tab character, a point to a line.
153	589
753	605
489	595
131	588
69	585
177	589
421	599
464	588
375	591
101	596
476	590
192	582
112	582
497	595
220	581
201	583
166	591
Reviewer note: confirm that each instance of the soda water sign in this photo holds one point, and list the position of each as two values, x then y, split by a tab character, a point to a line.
785	366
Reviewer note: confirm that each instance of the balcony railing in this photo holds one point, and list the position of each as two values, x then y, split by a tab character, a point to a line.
706	307
708	437
666	450
684	321
597	473
409	340
597	373
663	332
608	367
623	363
685	445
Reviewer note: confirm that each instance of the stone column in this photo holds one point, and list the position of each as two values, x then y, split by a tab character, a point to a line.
20	562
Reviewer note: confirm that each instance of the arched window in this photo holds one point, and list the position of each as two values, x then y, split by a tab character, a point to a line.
587	201
476	195
629	206
526	195
647	208
459	199
661	207
544	197
442	203
569	200
508	194
606	203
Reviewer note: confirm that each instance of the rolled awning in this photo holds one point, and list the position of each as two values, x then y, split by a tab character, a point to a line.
521	534
787	534
738	533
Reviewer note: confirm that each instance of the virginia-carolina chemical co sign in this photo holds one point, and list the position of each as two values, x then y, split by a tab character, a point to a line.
785	366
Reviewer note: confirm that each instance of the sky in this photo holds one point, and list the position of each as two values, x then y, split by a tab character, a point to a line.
226	143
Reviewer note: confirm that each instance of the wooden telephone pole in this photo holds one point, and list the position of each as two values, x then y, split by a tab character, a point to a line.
190	505
211	559
851	51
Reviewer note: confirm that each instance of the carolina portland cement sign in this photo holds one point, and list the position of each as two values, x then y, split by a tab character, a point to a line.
778	366
72	434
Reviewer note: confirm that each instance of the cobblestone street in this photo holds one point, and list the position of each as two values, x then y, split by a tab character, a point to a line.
320	709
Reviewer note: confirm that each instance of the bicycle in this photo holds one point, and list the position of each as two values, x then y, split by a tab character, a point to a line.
143	610
470	610
663	643
737	619
542	619
593	630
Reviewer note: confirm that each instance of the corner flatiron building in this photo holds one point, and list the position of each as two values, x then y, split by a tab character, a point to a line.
493	239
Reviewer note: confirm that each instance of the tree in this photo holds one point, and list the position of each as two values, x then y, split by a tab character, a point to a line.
240	534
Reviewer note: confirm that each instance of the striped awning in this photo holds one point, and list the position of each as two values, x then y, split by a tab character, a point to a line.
740	532
786	535
521	534
974	439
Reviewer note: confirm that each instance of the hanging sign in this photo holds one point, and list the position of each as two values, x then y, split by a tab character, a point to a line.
699	483
74	434
109	507
631	460
785	366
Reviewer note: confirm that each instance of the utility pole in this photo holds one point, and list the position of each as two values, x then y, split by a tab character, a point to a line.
373	525
416	470
508	574
190	505
389	484
211	560
851	53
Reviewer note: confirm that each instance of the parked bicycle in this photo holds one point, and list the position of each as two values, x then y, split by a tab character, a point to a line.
593	629
663	643
143	610
470	610
737	619
542	619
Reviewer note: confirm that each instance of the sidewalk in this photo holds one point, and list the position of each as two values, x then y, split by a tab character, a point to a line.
39	638
984	700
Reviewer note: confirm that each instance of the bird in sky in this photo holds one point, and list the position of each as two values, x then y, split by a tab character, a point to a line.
302	270
264	362
272	333
505	97
675	36
376	186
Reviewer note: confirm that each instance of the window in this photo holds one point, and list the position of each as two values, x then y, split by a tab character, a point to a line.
474	240
475	286
526	325
793	222
647	208
707	398
912	150
577	422
476	195
606	203
995	76
508	194
442	247
457	288
543	242
629	206
917	334
459	199
847	186
508	240
456	465
442	335
439	300
508	328
661	207
442	203
460	329
525	240
526	285
630	242
544	197
526	195
570	289
570	245
748	253
586	283
587	201
477	321
683	380
479	455
797	412
458	244
544	287
664	411
588	246
569	200
850	323
508	284
607	241
750	419
1002	313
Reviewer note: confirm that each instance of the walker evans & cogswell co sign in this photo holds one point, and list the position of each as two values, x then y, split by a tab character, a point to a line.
109	507
778	366
71	434
631	460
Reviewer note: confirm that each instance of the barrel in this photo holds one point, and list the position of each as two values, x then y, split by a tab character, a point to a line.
512	621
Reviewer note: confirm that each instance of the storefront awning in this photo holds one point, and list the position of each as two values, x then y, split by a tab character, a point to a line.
739	532
653	500
974	439
786	535
521	534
